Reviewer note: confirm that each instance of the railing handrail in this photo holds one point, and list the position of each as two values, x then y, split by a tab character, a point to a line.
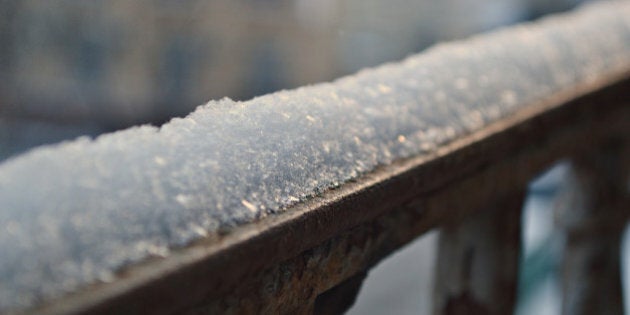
437	129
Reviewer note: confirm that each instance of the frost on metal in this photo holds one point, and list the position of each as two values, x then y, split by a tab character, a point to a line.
74	213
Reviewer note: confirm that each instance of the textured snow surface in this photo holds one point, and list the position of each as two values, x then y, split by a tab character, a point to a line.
74	213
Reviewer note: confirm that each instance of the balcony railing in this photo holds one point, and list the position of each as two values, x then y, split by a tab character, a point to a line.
283	203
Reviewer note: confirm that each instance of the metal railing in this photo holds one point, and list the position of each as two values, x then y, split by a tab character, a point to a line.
283	203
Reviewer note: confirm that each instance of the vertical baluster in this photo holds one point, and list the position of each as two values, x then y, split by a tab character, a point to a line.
340	298
592	214
478	261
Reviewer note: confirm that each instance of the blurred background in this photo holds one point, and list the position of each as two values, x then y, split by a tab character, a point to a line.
70	68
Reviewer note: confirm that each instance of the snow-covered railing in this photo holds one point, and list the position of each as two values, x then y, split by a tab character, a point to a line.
282	203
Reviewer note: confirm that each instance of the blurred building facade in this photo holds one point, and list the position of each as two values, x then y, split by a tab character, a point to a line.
73	67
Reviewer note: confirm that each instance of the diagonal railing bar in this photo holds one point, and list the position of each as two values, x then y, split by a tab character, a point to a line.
263	206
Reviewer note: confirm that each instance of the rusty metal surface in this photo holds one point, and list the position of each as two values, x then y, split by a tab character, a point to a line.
592	212
478	260
101	251
339	243
297	284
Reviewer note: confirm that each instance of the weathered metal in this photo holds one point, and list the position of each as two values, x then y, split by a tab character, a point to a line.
593	212
261	259
345	231
477	268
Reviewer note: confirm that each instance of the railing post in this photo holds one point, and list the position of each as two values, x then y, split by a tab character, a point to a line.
478	258
591	212
340	298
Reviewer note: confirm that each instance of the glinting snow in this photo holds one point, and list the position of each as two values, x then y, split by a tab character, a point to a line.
73	214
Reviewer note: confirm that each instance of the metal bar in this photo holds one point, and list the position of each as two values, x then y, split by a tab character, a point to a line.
316	238
477	266
340	298
593	212
239	207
